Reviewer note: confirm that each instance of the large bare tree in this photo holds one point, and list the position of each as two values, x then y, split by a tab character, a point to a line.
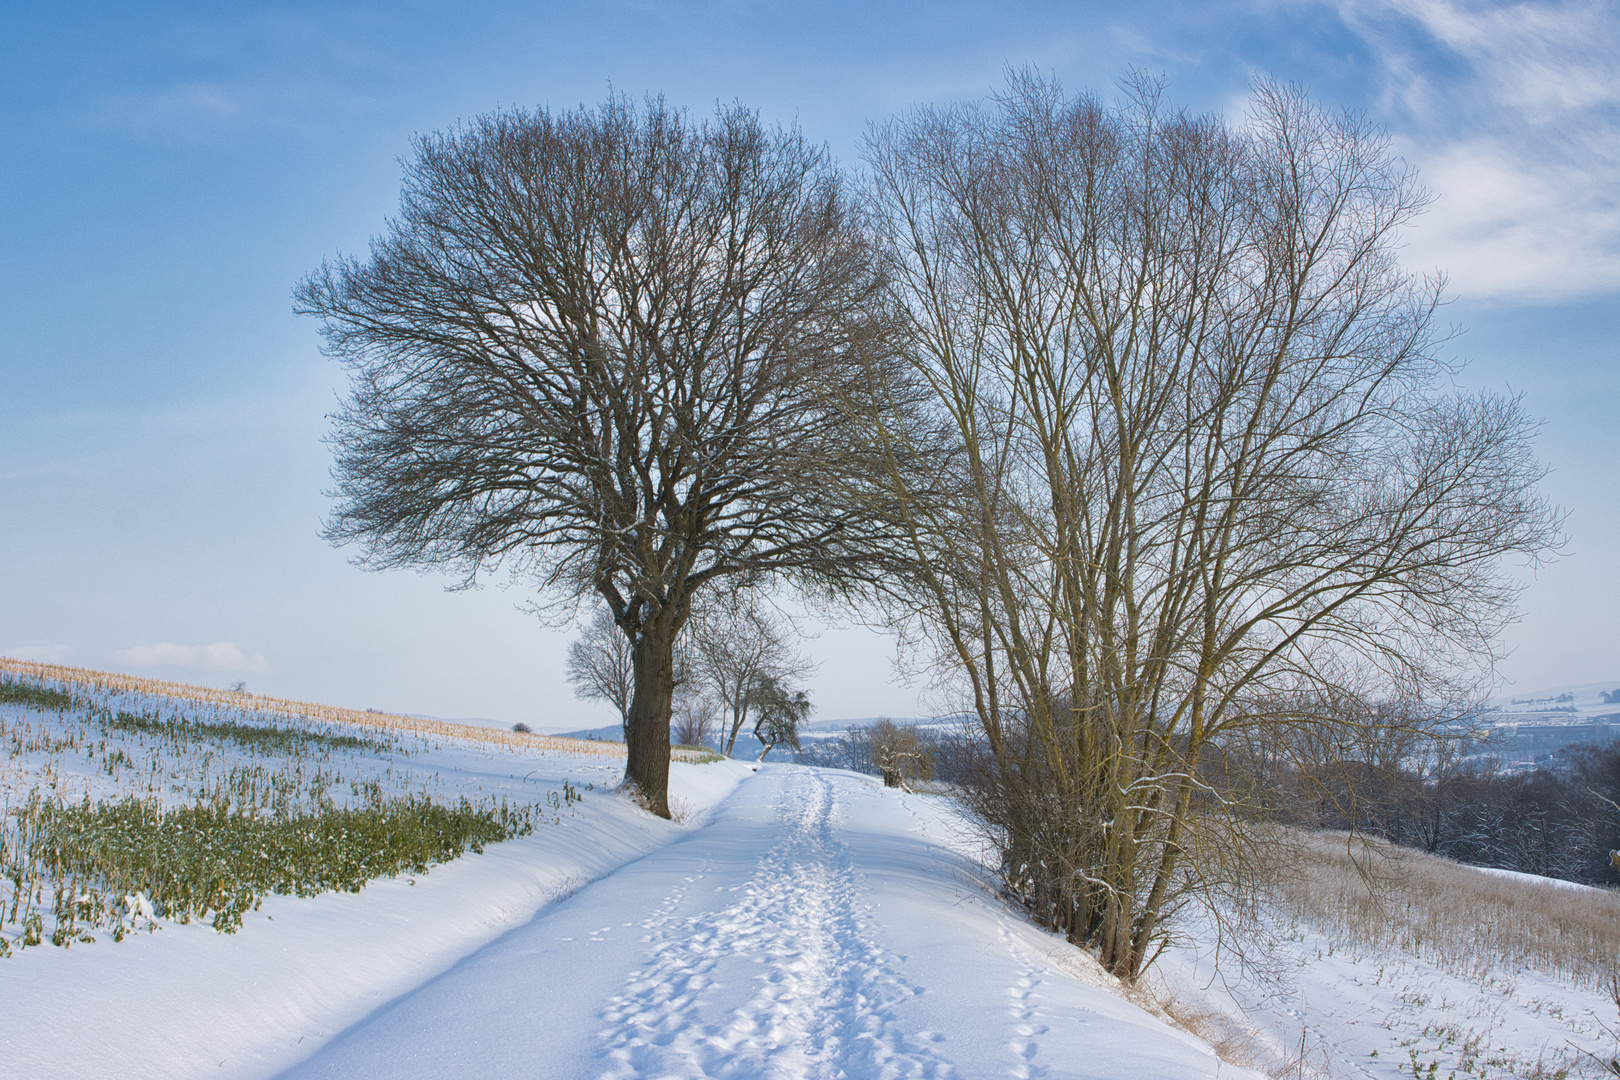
615	350
1208	477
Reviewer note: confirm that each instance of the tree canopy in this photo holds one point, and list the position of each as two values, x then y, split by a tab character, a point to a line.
1207	477
618	352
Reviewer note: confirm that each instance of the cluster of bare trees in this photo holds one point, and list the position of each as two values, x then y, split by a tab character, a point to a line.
1131	416
736	662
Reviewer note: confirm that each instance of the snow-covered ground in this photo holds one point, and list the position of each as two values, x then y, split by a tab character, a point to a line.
1580	701
187	1001
797	923
820	926
1311	1003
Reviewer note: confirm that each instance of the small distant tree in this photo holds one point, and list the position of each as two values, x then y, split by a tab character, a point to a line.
900	753
695	721
601	665
733	648
779	713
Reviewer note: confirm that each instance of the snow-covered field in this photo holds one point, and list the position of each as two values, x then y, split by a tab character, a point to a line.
184	1000
1453	972
1327	1008
798	923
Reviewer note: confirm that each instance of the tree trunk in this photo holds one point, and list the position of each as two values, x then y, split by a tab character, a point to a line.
647	733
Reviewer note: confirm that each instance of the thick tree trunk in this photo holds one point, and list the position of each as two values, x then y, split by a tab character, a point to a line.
647	733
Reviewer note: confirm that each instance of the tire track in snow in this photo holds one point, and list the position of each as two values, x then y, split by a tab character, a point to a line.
826	992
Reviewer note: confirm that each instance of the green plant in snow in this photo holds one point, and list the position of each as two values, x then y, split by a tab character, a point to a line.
13	692
116	865
286	740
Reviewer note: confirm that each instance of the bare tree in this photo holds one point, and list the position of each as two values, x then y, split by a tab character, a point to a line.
900	752
601	665
734	645
695	720
618	352
1207	478
779	713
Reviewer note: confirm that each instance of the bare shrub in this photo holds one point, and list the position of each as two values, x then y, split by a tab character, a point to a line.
900	753
903	754
695	721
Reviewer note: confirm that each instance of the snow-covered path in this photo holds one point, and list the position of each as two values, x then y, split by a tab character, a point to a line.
819	926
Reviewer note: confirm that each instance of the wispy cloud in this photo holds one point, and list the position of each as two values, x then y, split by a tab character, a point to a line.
221	656
194	106
1512	111
237	72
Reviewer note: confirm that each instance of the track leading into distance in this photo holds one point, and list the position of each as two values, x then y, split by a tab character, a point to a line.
819	926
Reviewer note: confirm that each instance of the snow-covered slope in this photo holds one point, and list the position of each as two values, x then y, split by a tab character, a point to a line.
186	1001
822	926
806	924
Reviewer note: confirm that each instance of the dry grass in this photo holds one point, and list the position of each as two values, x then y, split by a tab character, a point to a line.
72	676
1456	917
1232	1039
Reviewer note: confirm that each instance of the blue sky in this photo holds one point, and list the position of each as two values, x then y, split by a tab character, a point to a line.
168	171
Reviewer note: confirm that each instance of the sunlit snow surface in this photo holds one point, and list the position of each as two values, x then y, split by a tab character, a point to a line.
1317	1006
803	924
819	926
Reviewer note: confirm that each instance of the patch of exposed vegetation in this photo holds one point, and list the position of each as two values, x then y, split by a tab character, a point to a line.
16	692
285	740
119	810
121	865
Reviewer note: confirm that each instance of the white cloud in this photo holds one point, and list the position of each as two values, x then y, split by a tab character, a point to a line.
1504	227
1512	112
221	656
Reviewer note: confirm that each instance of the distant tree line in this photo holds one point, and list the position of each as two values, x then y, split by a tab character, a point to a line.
1560	819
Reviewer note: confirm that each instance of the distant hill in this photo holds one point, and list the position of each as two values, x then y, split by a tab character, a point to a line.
1583	696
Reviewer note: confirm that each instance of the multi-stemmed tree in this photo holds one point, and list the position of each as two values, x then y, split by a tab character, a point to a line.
1209	481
